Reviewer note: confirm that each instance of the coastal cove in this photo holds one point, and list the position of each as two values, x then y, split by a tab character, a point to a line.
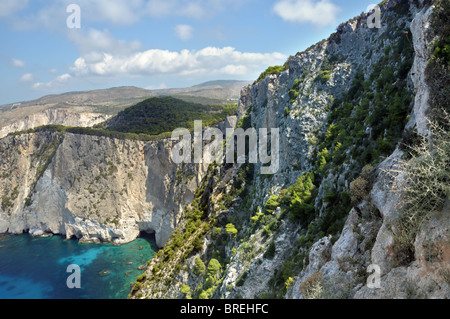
36	268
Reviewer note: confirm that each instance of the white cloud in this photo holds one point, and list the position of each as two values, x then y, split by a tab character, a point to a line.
53	84
208	61
198	9
161	8
184	31
17	63
52	15
194	10
10	7
319	13
27	77
94	41
119	12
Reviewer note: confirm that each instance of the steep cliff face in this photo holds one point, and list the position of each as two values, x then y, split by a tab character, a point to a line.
54	116
312	229
92	188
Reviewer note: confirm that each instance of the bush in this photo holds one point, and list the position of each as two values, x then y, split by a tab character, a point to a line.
360	187
324	76
241	280
312	288
293	92
231	229
272	70
271	204
270	252
214	268
185	289
300	198
441	22
425	188
199	267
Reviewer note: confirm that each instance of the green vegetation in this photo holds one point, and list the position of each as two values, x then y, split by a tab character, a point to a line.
159	115
438	69
270	252
186	240
324	76
297	199
312	288
426	187
272	70
293	92
245	122
6	203
199	266
231	229
365	123
151	119
211	281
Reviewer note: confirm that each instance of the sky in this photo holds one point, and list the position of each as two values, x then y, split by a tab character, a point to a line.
57	46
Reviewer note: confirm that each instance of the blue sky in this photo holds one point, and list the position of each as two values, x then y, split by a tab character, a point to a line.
154	43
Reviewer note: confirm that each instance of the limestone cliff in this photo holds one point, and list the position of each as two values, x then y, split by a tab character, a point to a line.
54	116
92	188
346	108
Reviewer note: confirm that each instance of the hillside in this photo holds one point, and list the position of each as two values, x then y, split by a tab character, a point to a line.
358	208
349	202
164	114
88	108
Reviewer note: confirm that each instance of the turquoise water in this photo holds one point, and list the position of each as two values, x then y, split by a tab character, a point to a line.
36	268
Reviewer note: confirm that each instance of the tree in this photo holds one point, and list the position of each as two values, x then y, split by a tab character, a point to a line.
199	267
231	229
214	268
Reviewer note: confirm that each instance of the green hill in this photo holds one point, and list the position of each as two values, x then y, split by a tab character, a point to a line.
158	115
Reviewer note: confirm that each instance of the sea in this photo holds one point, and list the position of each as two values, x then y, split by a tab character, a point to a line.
40	268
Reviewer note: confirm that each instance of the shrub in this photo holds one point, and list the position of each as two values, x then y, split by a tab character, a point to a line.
185	289
271	204
360	187
272	70
438	68
289	282
300	198
312	288
231	229
293	92
441	20
324	76
214	268
199	267
270	252
425	188
240	282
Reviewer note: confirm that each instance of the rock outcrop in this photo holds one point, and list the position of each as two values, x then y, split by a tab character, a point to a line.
93	188
330	254
54	116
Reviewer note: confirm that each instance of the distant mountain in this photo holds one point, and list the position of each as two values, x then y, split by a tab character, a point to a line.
110	102
222	90
223	83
